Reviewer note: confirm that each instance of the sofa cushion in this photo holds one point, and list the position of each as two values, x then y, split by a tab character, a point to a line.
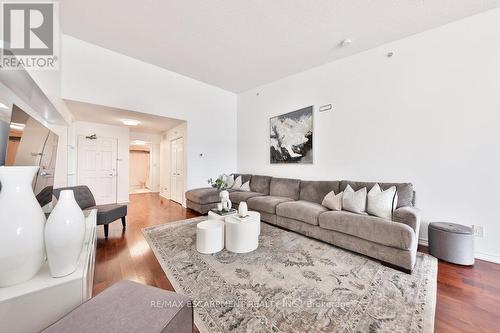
371	228
203	195
266	203
239	196
285	187
304	211
315	191
404	190
260	184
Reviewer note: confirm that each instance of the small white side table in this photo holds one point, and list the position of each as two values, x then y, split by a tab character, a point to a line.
242	234
210	236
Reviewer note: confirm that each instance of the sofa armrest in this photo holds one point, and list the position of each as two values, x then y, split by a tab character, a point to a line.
409	216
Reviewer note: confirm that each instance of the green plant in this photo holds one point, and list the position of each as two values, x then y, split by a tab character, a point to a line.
219	183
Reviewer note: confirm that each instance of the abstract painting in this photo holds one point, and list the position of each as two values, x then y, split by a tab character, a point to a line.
292	137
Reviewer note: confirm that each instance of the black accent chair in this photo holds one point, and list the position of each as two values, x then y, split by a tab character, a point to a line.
105	213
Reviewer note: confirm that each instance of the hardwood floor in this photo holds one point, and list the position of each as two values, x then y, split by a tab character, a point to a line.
468	298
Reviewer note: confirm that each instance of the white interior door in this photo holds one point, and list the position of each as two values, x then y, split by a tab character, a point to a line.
97	167
177	170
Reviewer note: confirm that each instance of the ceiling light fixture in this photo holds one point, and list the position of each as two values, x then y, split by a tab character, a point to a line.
130	122
3	106
17	126
138	142
345	42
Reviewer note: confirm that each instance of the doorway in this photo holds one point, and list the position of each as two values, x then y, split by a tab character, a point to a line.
177	170
139	170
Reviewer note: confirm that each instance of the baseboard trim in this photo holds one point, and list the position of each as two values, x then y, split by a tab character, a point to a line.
488	257
478	255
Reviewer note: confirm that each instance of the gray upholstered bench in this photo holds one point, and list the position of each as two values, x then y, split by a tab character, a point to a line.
129	307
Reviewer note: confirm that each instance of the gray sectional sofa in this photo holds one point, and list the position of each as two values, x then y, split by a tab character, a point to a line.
295	205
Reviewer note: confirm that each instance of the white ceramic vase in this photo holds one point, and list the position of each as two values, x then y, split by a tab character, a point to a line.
243	209
21	226
64	234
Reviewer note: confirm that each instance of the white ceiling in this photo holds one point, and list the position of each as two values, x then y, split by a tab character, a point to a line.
241	44
111	116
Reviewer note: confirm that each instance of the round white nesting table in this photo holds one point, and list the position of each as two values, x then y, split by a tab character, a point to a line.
210	236
242	234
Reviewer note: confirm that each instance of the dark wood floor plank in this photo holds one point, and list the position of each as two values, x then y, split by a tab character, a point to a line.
468	298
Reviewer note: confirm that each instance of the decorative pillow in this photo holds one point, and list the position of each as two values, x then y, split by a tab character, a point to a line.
354	202
381	203
237	183
229	180
333	201
245	187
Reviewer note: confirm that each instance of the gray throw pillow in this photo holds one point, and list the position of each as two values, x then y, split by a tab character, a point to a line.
354	202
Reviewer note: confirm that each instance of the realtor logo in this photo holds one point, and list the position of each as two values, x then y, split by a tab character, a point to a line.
28	35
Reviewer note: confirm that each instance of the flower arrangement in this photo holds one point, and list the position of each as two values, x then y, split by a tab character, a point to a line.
219	183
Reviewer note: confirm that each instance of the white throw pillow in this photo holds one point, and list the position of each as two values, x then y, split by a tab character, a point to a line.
354	202
381	203
245	187
229	181
333	201
237	183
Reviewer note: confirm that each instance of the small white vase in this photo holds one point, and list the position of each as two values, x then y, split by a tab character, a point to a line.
243	209
64	235
21	226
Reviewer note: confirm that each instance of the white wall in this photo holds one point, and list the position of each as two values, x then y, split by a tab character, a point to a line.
96	75
121	133
429	115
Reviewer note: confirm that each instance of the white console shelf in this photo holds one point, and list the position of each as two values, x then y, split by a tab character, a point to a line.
35	304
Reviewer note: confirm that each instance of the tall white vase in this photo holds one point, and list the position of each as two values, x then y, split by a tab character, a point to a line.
21	226
64	234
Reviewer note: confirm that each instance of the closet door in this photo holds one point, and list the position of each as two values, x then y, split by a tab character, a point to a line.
177	170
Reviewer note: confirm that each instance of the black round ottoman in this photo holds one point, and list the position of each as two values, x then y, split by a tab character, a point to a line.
451	242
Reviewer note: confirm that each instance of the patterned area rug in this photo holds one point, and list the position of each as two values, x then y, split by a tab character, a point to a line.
292	283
